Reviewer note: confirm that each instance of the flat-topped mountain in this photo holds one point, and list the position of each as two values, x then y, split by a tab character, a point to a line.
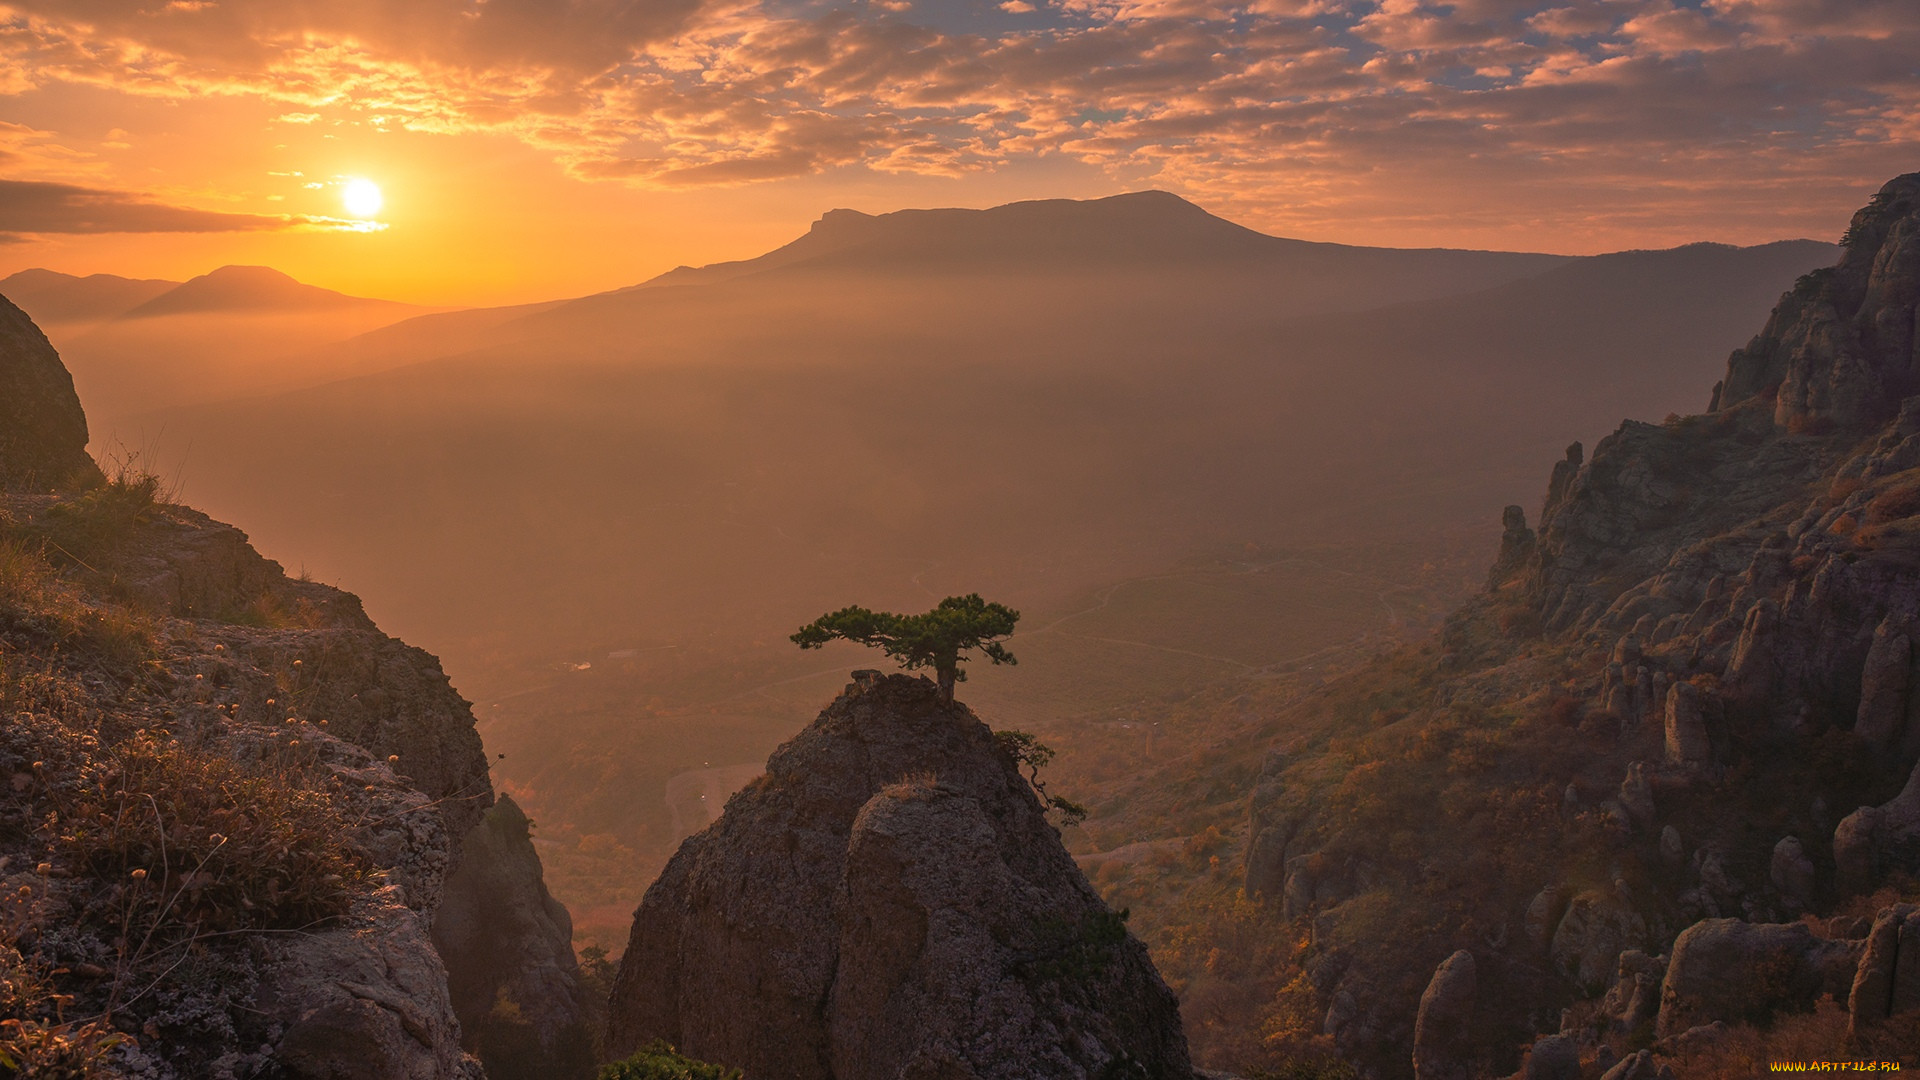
1139	230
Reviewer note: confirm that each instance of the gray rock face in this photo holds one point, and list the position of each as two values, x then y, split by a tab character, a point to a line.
1882	721
1887	982
364	1002
890	897
1838	351
1874	841
1725	969
1633	1002
1596	929
1792	872
43	432
508	945
1554	1057
1440	1041
1687	742
1516	547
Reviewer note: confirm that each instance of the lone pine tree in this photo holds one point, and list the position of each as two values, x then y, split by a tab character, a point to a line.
932	639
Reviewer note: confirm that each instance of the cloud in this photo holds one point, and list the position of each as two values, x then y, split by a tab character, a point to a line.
1288	110
30	207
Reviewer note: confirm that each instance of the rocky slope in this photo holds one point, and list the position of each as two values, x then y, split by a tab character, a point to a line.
234	808
887	901
1686	713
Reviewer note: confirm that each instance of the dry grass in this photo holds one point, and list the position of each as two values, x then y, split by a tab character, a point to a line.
199	843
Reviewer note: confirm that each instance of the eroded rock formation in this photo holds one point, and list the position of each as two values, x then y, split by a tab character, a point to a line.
43	432
889	900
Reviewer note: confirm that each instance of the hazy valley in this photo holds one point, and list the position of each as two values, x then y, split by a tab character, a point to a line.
1190	453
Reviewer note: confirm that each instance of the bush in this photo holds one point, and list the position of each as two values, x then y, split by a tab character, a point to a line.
92	527
200	843
34	1041
661	1062
37	604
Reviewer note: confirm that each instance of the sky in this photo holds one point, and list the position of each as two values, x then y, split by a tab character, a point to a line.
533	149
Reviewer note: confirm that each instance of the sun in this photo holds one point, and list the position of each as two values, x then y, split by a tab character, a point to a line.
361	197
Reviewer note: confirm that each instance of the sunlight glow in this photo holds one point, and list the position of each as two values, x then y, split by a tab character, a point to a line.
361	197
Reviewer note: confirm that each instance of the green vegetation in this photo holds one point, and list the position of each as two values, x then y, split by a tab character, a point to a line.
662	1062
932	639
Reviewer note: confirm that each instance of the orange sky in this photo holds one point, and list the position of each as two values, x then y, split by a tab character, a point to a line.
530	149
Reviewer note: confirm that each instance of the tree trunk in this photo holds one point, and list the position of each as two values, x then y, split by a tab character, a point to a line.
946	674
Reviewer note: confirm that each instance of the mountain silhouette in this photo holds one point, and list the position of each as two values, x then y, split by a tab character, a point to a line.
52	297
246	288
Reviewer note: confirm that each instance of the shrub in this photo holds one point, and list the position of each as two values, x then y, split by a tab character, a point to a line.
1026	750
34	1040
92	527
36	602
200	843
660	1061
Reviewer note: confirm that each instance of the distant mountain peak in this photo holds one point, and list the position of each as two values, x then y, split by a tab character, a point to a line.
238	288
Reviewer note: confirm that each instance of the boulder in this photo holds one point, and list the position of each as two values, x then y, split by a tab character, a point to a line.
1875	841
1636	795
1441	1045
1596	929
1672	851
1725	969
1887	982
365	1001
1633	1002
1882	718
890	900
1792	872
1687	741
43	432
1516	547
1553	1057
955	959
1544	913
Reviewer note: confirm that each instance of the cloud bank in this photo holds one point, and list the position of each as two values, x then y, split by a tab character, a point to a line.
39	208
1301	107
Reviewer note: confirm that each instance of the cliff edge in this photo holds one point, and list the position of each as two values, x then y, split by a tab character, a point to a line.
231	809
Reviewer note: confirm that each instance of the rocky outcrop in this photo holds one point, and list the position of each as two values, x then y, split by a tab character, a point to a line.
367	1002
1875	841
1838	351
888	900
1516	547
1442	1045
1593	933
511	972
43	432
1725	969
328	772
1887	982
1553	1057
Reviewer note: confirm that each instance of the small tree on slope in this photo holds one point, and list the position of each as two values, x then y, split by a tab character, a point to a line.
932	639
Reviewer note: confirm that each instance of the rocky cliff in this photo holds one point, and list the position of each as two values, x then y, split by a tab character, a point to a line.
889	901
233	809
43	433
1686	711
